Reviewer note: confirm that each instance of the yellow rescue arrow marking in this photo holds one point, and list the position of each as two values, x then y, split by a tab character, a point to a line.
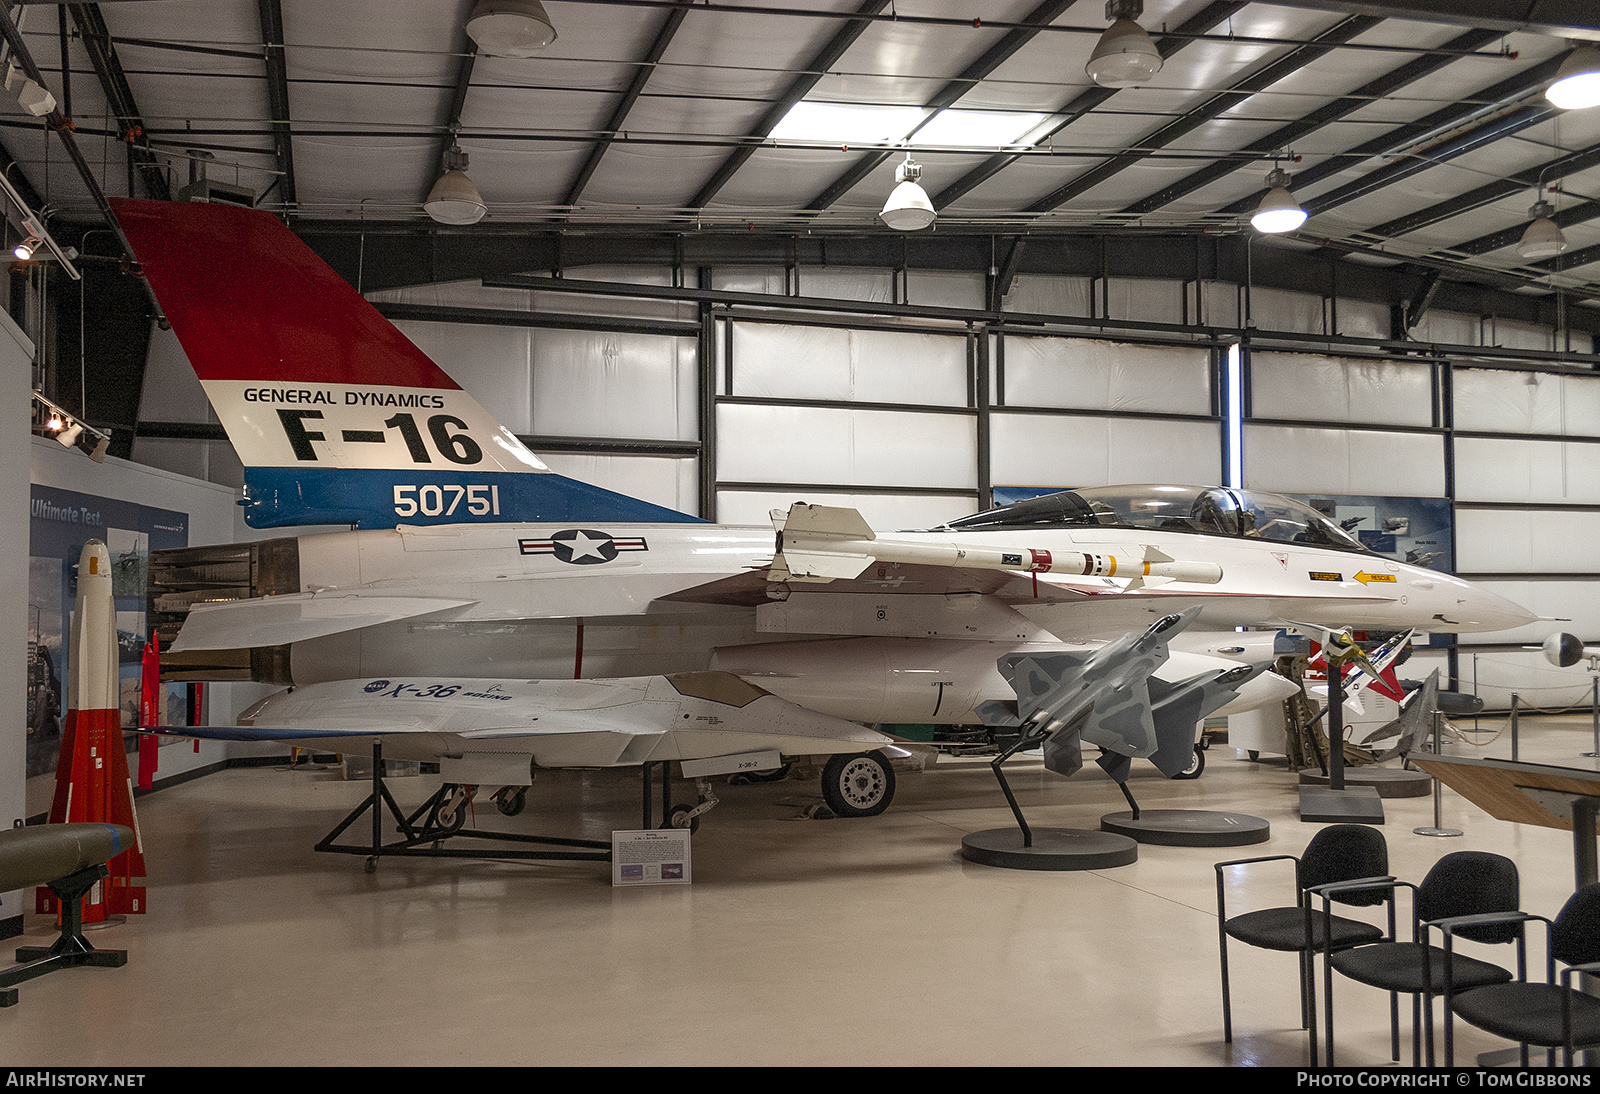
1366	578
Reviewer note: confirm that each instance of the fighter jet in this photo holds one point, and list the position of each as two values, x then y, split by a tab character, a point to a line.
468	559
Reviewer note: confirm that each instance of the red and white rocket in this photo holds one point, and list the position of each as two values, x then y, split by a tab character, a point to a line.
92	782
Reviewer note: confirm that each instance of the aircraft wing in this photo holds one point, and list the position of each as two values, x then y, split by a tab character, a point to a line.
295	617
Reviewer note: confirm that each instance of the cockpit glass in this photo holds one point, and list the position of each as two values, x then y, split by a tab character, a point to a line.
1209	510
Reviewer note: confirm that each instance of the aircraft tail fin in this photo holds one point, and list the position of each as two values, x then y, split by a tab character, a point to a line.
336	415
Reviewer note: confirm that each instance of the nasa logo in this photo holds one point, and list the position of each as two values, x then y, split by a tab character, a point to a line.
581	546
376	685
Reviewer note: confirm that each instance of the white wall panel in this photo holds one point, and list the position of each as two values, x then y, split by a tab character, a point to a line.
1337	389
1363	319
1151	299
1447	327
1538	684
1507	470
1527	541
1063	450
847	447
589	384
1048	294
1279	309
1501	401
884	512
834	282
493	364
1307	460
1513	335
1221	300
778	361
1090	374
945	288
1575	603
664	480
209	461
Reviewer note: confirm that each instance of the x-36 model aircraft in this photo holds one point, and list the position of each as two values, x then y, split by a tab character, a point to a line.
470	562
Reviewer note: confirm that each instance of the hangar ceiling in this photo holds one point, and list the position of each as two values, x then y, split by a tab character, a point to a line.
1416	131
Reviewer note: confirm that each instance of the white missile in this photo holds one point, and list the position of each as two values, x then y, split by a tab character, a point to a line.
818	543
92	671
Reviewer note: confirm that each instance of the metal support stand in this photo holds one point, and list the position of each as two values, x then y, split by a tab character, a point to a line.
1594	715
71	949
1514	727
1336	803
1438	828
442	817
1024	848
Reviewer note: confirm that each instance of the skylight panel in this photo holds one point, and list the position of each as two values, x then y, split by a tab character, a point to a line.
982	128
847	123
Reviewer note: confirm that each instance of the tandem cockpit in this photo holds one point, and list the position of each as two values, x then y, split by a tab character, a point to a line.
1206	510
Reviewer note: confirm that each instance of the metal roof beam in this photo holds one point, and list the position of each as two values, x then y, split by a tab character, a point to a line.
1204	20
641	76
103	56
1262	78
1282	138
1566	218
1542	16
948	95
278	94
1489	192
798	89
1569	260
1506	91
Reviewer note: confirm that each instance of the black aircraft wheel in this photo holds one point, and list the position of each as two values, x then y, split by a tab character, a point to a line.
452	814
860	785
1194	769
679	818
512	800
372	864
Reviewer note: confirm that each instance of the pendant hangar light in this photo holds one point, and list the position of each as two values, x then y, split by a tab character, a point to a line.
1278	211
510	28
1125	56
453	199
1577	82
908	208
1544	238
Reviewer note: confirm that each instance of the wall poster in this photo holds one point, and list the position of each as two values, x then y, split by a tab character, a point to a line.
60	522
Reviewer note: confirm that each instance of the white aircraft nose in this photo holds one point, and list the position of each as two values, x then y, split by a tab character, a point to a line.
1477	609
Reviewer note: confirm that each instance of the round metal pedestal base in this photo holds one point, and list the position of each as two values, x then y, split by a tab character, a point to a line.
1188	827
1390	782
1053	849
1437	831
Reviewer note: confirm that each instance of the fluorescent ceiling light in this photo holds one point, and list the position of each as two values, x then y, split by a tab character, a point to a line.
982	128
1577	83
847	123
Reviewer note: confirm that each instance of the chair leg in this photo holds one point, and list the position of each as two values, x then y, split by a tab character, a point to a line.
1227	1008
1327	1007
1524	1047
1416	1031
1394	1026
1310	989
1427	1024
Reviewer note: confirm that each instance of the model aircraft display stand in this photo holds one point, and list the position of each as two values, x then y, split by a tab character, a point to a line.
1188	827
433	822
1028	848
1389	782
1338	803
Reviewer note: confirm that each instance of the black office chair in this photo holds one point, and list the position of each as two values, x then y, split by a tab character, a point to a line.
1338	853
1549	1014
1465	883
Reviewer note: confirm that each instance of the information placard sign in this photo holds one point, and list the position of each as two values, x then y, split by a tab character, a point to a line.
651	857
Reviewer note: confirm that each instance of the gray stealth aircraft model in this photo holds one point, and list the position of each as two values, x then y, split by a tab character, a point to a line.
1109	698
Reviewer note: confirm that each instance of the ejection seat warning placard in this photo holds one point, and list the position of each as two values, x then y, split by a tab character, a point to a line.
650	857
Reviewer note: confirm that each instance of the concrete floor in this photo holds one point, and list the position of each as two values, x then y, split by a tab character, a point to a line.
800	941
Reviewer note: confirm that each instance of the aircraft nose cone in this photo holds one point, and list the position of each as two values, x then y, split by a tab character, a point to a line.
1482	610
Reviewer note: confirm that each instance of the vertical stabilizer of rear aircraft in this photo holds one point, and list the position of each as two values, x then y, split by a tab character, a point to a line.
336	415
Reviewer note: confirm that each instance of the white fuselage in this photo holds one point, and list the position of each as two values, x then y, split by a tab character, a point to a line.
872	650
